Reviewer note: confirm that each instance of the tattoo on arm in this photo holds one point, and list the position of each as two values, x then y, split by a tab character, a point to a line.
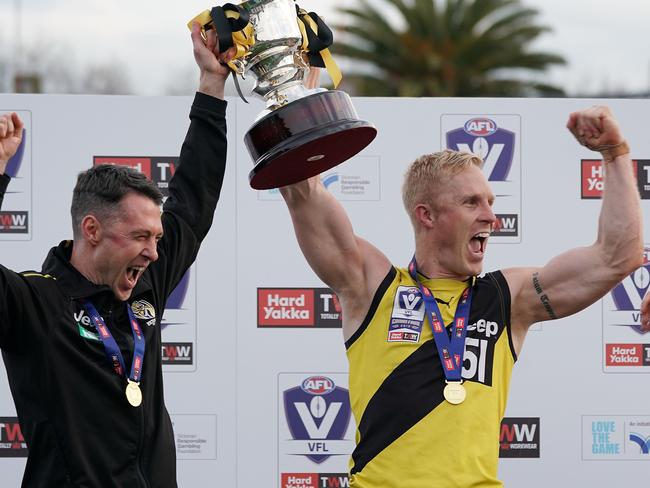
546	303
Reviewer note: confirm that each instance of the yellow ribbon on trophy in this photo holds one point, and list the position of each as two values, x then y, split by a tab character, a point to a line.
319	36
233	28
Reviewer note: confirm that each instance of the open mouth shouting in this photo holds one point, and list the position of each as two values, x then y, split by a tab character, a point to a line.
478	243
133	273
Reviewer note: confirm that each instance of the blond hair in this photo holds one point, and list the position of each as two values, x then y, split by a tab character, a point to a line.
428	171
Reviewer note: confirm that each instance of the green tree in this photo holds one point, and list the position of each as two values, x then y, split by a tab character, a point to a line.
455	48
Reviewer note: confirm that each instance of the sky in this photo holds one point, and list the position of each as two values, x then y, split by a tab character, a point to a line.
604	42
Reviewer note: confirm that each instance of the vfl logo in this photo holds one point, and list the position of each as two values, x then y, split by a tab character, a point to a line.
410	300
143	310
629	293
317	412
643	442
482	137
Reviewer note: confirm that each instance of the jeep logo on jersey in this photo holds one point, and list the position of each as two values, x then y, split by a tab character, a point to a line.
478	357
317	413
494	145
12	442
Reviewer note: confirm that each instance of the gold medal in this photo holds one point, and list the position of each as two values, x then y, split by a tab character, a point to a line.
133	393
454	392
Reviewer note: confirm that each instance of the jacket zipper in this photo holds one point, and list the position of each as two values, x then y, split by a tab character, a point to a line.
140	444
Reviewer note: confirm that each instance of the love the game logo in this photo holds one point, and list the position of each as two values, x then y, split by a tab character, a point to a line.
317	414
482	136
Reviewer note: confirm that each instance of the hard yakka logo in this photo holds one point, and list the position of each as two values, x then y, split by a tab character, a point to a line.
158	169
592	174
12	442
298	307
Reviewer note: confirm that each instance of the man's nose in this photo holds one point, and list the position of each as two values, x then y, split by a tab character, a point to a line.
151	250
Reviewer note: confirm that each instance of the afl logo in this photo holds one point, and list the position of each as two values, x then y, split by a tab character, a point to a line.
317	385
480	127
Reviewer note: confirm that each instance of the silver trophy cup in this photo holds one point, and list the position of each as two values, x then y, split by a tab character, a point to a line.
302	132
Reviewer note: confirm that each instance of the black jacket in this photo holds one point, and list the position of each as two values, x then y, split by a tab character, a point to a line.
78	425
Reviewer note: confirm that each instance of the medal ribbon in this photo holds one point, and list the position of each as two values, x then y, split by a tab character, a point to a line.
450	351
112	350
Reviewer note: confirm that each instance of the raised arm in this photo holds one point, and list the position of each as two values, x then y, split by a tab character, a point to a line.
11	135
196	183
577	278
349	265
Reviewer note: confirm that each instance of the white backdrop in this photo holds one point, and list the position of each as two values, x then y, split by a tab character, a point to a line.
579	410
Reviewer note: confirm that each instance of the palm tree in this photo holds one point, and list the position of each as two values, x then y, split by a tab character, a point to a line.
464	48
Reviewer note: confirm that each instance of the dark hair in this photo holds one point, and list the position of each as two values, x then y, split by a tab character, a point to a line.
100	189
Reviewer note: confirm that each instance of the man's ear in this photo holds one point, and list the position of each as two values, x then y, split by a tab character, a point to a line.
91	229
424	215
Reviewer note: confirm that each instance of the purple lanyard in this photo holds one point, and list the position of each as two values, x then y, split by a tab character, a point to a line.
111	348
447	349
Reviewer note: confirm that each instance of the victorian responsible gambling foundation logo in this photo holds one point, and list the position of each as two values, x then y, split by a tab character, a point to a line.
519	437
298	307
357	179
625	347
15	221
495	138
615	437
12	442
592	174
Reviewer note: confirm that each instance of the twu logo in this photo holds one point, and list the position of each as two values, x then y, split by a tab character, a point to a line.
494	145
644	443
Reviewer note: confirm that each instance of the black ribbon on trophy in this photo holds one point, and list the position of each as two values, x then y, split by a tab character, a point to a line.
302	132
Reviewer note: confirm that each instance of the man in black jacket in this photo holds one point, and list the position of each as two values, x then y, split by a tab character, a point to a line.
81	338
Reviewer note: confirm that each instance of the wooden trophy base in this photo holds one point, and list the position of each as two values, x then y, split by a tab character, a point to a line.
304	138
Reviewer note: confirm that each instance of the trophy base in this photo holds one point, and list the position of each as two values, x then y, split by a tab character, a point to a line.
304	138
